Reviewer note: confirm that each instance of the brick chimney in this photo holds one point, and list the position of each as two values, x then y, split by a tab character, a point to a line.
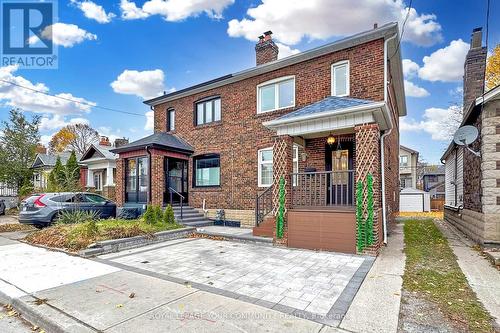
265	49
121	142
104	141
40	149
475	64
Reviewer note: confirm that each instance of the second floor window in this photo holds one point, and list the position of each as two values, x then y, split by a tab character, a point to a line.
403	161
170	120
276	94
340	78
208	111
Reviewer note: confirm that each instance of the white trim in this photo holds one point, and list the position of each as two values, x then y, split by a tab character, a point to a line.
276	93
495	92
295	161
332	77
259	166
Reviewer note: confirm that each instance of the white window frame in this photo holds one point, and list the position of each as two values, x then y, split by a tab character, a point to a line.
404	165
276	93
98	175
171	121
295	163
338	64
260	163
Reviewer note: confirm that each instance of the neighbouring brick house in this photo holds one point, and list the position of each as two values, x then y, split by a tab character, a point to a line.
321	120
472	183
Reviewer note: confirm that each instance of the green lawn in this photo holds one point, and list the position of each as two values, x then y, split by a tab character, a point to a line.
433	272
75	237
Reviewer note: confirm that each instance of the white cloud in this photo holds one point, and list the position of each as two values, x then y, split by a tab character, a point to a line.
48	123
150	121
28	100
109	132
286	51
64	34
446	64
145	84
410	68
93	11
321	19
174	10
412	90
45	139
440	123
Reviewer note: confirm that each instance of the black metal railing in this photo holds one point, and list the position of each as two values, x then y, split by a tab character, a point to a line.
263	205
181	197
323	189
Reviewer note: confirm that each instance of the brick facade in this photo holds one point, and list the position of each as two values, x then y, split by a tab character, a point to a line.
240	133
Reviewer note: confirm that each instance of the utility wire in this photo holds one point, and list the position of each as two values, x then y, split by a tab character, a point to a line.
72	100
402	29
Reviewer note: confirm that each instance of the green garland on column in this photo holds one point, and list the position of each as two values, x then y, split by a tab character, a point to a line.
369	203
281	209
360	242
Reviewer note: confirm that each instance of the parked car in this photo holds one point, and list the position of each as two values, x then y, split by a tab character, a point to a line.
42	210
2	207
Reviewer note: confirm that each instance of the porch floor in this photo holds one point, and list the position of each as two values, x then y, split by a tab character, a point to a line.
232	233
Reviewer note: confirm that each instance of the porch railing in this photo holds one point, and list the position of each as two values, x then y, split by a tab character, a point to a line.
263	205
181	197
323	189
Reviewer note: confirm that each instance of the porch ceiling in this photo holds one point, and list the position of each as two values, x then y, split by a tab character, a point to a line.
339	114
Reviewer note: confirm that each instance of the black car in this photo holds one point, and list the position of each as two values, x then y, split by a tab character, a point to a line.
2	207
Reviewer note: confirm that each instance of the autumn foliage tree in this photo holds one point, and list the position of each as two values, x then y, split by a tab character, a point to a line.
493	69
76	137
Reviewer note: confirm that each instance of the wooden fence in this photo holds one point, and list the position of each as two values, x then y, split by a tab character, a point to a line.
7	191
437	205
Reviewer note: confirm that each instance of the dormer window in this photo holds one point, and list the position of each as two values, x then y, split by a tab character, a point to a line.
340	79
276	94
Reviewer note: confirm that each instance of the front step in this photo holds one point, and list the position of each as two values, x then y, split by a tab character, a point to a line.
191	217
266	228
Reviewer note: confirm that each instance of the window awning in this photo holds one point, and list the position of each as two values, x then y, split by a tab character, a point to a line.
329	114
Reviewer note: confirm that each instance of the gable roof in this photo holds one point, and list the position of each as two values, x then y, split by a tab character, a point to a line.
408	149
98	151
49	160
160	140
385	31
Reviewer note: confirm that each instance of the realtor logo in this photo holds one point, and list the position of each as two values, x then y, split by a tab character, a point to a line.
27	34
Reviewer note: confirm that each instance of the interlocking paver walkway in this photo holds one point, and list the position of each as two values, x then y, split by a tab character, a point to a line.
298	279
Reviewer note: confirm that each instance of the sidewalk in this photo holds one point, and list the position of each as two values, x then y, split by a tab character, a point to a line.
376	305
483	278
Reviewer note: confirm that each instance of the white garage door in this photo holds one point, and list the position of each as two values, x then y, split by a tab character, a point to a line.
411	202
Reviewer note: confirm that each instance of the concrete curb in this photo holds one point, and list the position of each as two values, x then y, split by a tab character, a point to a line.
45	316
116	245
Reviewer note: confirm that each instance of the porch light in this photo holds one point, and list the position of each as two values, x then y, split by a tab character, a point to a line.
330	140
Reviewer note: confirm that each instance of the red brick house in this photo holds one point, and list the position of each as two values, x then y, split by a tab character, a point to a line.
321	119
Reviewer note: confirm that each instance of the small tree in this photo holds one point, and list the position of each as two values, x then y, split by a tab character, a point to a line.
168	215
157	214
149	215
72	167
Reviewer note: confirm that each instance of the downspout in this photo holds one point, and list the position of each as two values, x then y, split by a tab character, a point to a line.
386	133
150	197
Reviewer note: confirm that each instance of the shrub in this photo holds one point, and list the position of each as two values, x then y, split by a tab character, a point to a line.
157	214
90	229
168	215
77	217
149	215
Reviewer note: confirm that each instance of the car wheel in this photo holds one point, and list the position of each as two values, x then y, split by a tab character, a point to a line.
39	226
54	219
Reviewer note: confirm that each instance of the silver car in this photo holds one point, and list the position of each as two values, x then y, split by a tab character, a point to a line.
42	210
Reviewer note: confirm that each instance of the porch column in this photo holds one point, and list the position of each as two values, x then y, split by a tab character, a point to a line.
282	167
120	182
368	161
109	176
157	179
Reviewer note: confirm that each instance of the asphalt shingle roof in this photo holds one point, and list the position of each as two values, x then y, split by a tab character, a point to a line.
50	159
162	140
330	103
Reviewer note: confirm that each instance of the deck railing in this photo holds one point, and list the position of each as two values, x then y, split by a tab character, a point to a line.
323	189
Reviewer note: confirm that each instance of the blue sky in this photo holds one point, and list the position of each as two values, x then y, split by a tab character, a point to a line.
114	53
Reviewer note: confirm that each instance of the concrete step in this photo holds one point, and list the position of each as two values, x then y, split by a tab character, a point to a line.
189	214
198	223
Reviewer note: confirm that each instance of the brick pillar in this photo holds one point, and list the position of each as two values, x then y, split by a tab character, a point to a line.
120	182
157	179
282	167
368	161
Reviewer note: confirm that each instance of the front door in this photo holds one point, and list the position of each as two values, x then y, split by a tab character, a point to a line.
342	180
176	176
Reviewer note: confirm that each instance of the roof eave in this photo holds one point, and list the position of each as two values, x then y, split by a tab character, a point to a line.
363	37
151	145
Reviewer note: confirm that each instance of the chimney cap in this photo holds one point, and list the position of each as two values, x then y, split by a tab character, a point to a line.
267	33
375	25
477	29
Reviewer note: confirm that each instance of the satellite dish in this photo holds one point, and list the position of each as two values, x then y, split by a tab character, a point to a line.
465	135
